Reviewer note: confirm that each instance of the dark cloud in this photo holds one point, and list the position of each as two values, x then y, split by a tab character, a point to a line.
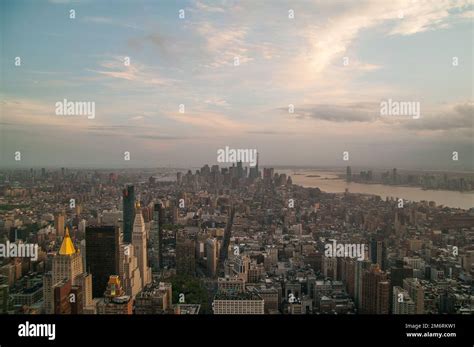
355	112
112	128
460	117
269	132
160	137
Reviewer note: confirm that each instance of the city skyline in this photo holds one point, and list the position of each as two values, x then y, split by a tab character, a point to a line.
334	63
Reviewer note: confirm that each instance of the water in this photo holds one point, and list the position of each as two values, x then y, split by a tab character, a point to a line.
330	183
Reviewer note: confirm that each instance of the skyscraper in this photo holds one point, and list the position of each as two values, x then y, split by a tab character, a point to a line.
59	221
402	302
128	213
416	291
378	253
102	255
129	271
157	234
66	266
139	246
212	256
375	292
185	255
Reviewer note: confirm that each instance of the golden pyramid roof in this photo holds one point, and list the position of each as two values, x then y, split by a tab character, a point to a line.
67	247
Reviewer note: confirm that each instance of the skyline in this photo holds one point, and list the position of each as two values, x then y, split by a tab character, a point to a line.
402	51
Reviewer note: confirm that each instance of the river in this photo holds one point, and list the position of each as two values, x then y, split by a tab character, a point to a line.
329	182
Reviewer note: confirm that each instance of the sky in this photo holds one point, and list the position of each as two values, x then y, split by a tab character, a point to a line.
334	61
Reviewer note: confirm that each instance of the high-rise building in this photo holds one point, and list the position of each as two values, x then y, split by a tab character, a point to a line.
4	298
128	213
59	223
102	255
115	301
348	174
157	235
68	299
242	266
375	292
139	241
402	302
378	253
185	255
212	254
129	271
416	291
61	292
85	282
66	265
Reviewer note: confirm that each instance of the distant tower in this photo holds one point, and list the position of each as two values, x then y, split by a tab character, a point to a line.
139	246
128	213
348	174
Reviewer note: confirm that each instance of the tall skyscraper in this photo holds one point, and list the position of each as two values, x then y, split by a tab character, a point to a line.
157	235
128	213
416	292
66	266
348	174
102	255
139	246
378	253
129	271
375	292
212	256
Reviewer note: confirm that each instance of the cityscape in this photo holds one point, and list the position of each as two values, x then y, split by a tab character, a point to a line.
183	169
225	240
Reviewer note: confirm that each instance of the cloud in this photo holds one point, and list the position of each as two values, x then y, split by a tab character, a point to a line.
208	121
269	132
208	8
223	44
356	112
160	137
332	39
453	117
135	72
108	21
215	101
